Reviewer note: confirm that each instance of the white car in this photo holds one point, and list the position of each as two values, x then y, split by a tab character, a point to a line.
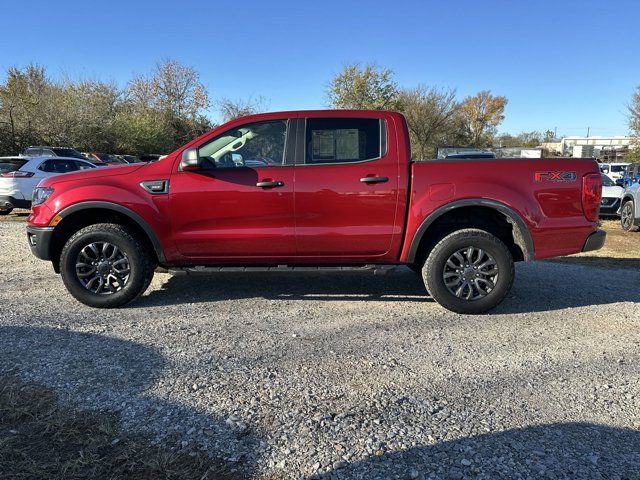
611	194
615	171
20	175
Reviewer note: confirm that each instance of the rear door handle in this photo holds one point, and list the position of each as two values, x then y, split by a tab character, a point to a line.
374	179
270	184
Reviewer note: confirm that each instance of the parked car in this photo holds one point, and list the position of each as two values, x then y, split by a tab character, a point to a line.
20	175
611	194
614	171
631	176
102	159
630	208
66	152
472	155
130	158
324	188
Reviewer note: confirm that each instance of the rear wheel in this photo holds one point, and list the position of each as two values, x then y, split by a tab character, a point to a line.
627	216
469	271
6	211
106	265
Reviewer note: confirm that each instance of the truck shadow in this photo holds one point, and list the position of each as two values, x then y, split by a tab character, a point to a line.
539	287
114	376
561	450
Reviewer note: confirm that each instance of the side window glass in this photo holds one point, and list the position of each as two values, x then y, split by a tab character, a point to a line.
46	166
341	140
259	144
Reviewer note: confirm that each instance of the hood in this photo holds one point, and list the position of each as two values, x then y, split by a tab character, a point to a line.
612	192
97	172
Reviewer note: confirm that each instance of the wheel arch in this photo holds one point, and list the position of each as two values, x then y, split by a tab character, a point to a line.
521	236
87	213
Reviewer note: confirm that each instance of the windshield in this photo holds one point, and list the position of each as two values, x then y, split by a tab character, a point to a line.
618	168
11	164
607	182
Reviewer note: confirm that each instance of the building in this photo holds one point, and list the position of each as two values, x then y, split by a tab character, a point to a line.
604	148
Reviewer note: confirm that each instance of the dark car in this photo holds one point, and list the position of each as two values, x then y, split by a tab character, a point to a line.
462	155
66	152
101	159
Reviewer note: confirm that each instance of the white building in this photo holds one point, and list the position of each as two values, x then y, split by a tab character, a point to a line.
597	143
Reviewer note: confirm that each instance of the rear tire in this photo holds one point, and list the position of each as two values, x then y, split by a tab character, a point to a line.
627	216
461	268
6	212
106	265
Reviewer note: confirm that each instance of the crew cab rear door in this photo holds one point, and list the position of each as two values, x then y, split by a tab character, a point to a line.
346	188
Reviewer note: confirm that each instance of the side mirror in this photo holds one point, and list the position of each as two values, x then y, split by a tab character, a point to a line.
190	161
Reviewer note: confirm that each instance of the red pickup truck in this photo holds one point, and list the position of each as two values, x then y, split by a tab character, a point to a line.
314	188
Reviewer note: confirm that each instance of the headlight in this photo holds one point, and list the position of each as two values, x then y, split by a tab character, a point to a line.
40	195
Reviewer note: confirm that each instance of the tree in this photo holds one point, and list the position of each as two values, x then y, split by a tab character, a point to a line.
481	114
172	88
430	114
21	98
173	100
232	109
368	87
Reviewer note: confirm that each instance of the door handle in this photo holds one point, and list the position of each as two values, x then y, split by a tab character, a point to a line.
270	184
374	179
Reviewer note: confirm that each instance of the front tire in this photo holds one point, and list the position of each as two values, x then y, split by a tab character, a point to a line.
469	271
106	265
627	216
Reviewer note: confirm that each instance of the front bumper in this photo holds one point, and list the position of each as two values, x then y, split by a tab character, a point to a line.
595	241
40	239
7	202
609	206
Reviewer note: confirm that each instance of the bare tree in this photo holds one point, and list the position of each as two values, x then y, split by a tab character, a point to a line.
171	87
232	109
430	114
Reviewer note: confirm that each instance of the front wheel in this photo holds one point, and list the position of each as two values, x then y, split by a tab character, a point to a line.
469	271
106	265
627	216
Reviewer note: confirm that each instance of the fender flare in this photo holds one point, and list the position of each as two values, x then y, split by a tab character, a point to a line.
522	235
141	222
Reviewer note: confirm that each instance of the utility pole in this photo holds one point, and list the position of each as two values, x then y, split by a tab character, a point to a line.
588	131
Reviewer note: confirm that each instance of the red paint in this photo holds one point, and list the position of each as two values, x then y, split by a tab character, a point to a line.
324	213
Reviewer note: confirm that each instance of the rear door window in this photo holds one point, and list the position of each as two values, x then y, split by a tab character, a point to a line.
344	140
58	166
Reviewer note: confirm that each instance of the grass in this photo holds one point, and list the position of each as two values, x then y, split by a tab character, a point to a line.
41	439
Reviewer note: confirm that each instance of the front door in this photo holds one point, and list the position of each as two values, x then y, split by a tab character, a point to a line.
240	204
346	190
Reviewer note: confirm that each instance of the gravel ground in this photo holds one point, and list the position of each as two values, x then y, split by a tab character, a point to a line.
303	375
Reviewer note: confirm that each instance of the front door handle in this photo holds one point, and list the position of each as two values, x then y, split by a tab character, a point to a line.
270	184
374	179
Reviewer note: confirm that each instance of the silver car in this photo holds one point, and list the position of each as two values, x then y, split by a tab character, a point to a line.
20	175
630	208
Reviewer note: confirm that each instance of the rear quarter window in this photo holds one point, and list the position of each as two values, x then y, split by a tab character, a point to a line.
11	165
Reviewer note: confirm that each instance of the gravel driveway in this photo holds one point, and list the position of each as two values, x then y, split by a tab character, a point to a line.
299	375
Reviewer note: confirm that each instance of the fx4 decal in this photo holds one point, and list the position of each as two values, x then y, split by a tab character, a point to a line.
551	176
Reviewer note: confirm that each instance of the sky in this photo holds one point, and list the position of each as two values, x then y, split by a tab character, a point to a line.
565	65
